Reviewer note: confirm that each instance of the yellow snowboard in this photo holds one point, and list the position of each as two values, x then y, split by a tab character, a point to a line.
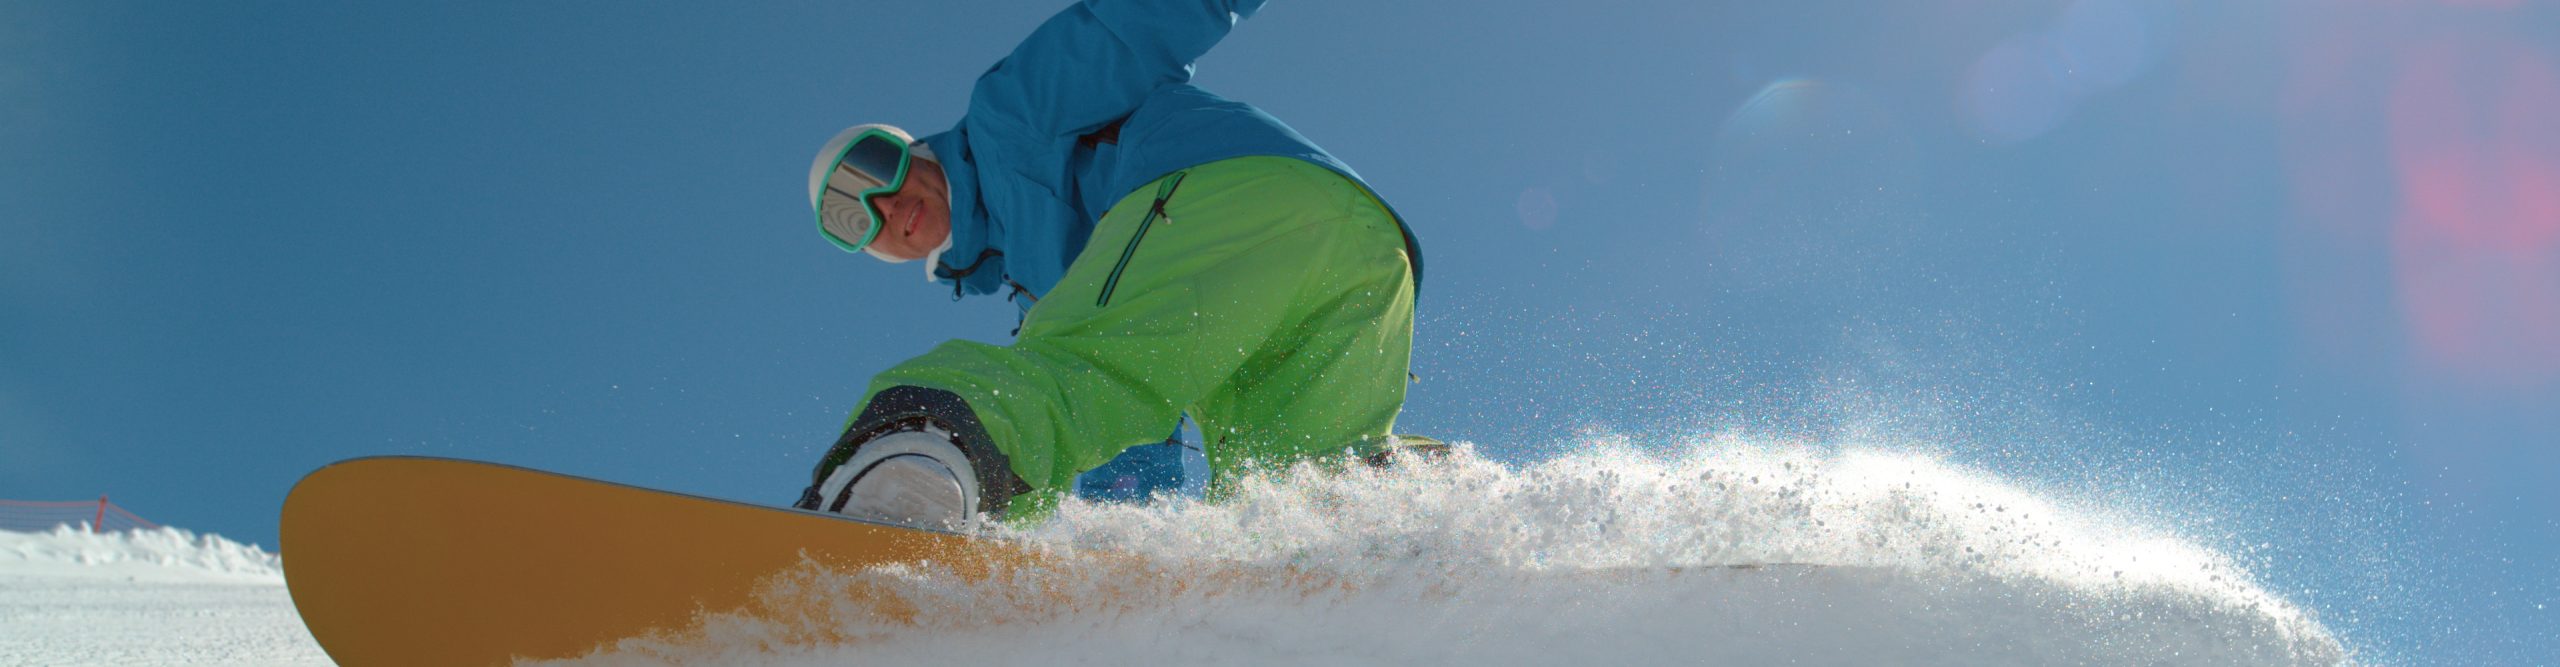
425	561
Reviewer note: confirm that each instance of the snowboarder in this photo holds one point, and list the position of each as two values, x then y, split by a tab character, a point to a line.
1173	252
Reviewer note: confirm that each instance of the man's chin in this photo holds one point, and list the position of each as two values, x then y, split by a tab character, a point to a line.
876	251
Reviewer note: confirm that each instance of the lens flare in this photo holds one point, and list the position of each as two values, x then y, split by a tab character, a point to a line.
1811	181
2018	91
2476	242
1537	207
2029	84
2106	44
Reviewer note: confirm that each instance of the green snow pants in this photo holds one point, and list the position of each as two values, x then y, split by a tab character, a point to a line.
1269	297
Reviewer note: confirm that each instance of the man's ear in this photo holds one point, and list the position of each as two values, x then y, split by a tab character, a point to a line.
924	164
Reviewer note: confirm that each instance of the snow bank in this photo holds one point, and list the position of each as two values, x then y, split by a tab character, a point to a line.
146	597
157	553
1608	557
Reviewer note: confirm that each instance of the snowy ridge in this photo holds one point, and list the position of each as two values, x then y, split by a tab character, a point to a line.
157	553
1609	557
161	596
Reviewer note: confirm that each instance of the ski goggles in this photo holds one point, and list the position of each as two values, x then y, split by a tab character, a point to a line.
873	164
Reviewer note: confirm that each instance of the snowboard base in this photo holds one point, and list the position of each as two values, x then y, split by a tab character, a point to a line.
426	561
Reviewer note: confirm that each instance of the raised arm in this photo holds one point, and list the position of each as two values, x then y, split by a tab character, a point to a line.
1094	63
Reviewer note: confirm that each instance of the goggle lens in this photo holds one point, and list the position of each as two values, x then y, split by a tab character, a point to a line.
874	164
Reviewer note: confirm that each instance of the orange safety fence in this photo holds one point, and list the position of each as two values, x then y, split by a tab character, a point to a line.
32	516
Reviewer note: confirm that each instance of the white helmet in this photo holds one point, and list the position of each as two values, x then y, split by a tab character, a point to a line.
852	219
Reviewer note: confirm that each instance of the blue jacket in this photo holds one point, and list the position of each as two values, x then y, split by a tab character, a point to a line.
1094	104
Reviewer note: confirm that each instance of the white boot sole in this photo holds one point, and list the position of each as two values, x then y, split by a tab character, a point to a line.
917	479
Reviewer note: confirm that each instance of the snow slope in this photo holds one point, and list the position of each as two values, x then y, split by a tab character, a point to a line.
1609	557
1606	557
145	597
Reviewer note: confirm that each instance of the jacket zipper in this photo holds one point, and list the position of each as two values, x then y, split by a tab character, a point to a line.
1163	192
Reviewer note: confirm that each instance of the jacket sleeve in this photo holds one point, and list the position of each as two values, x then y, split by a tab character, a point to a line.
1093	63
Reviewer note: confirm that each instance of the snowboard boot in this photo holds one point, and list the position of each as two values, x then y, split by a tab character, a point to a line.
916	457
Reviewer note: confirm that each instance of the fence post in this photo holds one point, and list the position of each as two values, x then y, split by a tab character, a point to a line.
101	523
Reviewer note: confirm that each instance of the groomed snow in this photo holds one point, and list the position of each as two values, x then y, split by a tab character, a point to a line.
145	597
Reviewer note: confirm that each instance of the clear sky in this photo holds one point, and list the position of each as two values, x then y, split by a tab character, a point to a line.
2283	276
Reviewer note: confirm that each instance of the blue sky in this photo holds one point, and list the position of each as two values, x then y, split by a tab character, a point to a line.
2282	275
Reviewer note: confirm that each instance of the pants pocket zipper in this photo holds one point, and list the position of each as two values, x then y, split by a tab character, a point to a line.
1155	211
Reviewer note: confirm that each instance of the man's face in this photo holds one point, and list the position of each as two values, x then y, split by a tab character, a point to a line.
917	217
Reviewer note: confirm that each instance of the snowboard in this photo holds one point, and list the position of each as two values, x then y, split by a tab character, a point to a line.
429	561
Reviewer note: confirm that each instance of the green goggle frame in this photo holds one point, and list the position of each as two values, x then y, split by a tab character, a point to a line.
873	164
